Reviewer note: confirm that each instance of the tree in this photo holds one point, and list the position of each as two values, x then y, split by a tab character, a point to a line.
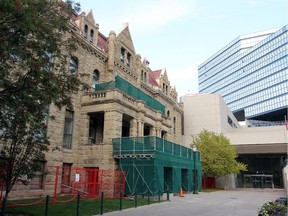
218	156
36	45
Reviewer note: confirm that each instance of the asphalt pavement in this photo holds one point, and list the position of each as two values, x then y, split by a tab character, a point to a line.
240	202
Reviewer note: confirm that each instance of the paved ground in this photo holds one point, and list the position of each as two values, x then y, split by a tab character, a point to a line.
242	202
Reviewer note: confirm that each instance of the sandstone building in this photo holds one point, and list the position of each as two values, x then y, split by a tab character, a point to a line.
127	99
84	134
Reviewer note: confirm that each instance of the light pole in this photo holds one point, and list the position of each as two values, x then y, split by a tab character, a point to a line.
194	171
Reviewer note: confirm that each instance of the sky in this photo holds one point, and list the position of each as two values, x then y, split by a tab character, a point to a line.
181	34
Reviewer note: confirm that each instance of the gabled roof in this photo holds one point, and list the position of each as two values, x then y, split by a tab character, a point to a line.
102	42
153	77
90	17
125	36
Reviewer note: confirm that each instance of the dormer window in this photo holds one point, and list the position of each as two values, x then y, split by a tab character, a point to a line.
143	76
85	31
122	54
91	35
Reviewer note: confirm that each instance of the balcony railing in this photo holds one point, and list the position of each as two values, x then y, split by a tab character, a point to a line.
148	146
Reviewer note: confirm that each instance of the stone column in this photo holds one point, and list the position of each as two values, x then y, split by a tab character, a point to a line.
95	39
111	51
112	129
84	130
153	131
133	128
140	125
112	126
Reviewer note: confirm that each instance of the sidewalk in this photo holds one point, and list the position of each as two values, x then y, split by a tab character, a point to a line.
242	202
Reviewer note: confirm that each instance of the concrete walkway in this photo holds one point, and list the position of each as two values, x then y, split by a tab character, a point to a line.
242	202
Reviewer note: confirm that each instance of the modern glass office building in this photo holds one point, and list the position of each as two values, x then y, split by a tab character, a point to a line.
251	74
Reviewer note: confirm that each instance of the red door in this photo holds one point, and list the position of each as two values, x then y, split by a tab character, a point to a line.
66	175
93	187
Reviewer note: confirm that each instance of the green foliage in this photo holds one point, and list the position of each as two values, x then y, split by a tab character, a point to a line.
218	156
271	207
35	47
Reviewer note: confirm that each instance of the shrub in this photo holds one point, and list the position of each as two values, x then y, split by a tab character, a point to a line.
272	208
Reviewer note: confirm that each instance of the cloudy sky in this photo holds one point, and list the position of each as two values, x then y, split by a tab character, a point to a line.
180	34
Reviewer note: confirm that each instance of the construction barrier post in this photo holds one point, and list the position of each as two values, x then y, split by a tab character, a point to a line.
102	203
78	204
4	207
168	195
135	200
46	205
56	185
120	201
159	196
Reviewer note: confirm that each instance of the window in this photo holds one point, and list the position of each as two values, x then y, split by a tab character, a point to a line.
85	31
174	125
46	117
37	182
68	129
95	80
92	130
48	61
73	66
122	54
91	35
128	59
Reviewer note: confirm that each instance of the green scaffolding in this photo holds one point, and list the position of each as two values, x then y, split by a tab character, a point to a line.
132	91
155	166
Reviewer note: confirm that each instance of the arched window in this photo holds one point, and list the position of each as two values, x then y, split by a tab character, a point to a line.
95	80
73	66
85	31
91	35
168	113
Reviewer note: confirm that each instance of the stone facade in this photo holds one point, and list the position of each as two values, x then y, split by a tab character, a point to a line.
99	116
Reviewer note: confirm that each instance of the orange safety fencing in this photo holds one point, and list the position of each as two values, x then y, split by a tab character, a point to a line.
64	183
